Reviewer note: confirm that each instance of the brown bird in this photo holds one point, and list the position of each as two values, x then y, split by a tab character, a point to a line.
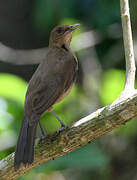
51	82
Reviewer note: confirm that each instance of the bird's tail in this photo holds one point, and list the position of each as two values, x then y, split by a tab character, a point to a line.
25	146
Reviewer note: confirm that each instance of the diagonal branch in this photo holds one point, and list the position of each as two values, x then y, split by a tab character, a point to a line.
80	133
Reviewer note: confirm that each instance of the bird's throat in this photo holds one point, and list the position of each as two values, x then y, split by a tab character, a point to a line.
64	47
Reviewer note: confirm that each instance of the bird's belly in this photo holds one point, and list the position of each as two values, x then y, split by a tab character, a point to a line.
64	94
61	97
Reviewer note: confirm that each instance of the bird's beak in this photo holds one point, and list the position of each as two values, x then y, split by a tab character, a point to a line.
73	27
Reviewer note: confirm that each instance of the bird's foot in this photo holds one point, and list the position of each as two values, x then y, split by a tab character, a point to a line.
43	133
63	126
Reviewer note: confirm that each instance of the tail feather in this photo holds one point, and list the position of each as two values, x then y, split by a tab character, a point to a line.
25	146
29	150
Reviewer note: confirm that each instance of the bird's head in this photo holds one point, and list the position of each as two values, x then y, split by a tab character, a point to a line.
61	35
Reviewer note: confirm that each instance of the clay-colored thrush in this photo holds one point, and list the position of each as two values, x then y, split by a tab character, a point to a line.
51	82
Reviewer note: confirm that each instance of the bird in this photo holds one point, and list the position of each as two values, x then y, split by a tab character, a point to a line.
50	84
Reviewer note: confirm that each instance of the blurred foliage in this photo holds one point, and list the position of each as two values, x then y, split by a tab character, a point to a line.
100	81
112	84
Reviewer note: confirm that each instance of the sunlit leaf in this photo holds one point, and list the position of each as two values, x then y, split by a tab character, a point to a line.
12	87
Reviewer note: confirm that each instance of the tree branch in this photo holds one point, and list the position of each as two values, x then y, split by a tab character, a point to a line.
80	133
93	126
15	56
35	56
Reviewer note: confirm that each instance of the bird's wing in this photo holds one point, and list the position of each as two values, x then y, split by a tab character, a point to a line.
72	68
45	95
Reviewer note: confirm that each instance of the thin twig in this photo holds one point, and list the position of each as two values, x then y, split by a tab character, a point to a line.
128	45
129	52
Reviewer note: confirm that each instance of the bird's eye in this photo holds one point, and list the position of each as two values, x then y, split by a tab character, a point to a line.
59	30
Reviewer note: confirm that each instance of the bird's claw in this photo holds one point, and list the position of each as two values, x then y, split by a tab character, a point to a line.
62	128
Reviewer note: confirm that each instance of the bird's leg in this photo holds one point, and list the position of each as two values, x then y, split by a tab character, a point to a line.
63	125
42	130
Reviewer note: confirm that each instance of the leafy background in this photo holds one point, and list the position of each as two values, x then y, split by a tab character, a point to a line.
98	45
